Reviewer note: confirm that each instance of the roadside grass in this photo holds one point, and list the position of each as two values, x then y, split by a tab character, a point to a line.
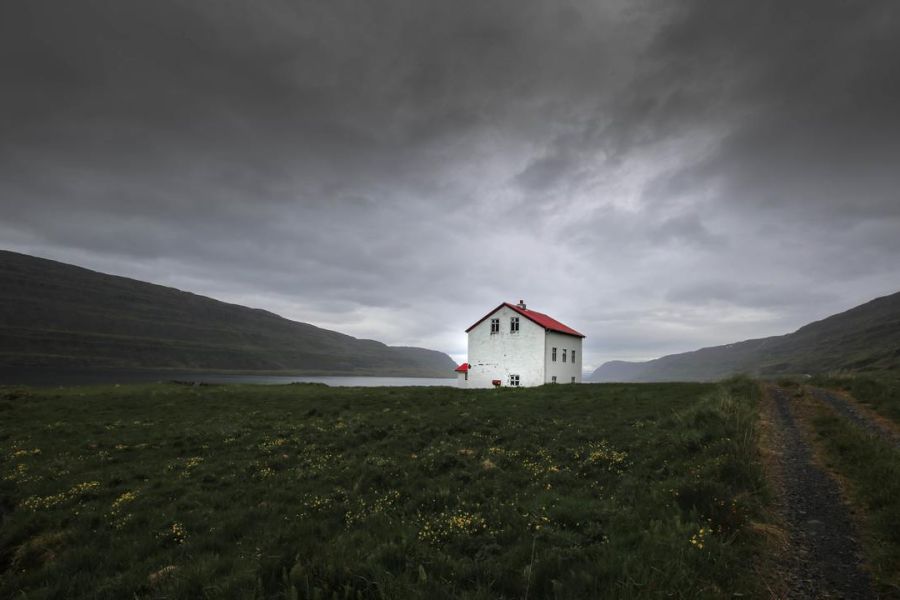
880	392
870	467
305	491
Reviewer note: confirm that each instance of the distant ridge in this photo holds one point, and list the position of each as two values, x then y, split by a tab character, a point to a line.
864	338
57	315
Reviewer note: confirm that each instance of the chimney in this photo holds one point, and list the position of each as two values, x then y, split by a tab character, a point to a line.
521	304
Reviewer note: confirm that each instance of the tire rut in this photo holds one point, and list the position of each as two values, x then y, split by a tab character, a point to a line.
824	560
852	412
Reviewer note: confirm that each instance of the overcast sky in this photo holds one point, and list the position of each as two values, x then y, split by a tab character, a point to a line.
658	175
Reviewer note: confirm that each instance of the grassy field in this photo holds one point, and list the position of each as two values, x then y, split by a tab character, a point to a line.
305	491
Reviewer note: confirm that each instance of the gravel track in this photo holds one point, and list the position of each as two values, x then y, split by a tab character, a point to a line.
824	558
857	416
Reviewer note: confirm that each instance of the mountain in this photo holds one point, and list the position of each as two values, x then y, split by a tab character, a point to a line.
57	315
864	338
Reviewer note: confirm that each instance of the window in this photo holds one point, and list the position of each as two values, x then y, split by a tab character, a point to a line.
573	356
553	379
514	380
514	325
573	380
495	325
564	355
554	355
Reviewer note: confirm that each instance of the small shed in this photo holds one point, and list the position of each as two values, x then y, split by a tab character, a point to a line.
462	374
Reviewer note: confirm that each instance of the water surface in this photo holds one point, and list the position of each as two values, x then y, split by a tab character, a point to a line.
65	377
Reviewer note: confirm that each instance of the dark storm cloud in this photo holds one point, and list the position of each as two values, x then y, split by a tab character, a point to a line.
714	171
811	101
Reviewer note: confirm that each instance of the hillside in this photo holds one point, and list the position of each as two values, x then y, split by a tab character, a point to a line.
58	315
864	338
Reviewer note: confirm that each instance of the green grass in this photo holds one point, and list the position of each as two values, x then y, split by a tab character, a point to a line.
871	467
306	491
880	392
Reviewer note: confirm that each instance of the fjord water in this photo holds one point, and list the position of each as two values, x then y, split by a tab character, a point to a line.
65	377
334	381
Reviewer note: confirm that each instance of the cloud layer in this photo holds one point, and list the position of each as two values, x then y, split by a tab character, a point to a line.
658	176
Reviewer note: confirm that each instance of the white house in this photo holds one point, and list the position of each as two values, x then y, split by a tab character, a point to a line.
514	346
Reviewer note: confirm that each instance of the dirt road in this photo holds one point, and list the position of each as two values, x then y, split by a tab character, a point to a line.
858	416
823	559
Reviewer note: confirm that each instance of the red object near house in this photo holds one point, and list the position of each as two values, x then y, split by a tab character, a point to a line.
496	382
463	368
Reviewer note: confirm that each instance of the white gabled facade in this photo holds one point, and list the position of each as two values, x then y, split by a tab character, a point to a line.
516	346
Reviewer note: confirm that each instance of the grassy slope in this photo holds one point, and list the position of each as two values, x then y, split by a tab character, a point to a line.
306	491
864	338
53	314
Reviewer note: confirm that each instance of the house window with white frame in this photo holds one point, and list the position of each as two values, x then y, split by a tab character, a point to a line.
514	380
553	355
564	355
495	325
573	356
573	380
553	379
514	324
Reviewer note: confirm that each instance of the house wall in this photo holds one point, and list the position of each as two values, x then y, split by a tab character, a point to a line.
499	355
564	371
461	380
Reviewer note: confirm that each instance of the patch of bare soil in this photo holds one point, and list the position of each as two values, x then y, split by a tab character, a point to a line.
822	558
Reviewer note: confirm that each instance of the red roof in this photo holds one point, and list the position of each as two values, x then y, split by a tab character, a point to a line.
541	319
462	368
